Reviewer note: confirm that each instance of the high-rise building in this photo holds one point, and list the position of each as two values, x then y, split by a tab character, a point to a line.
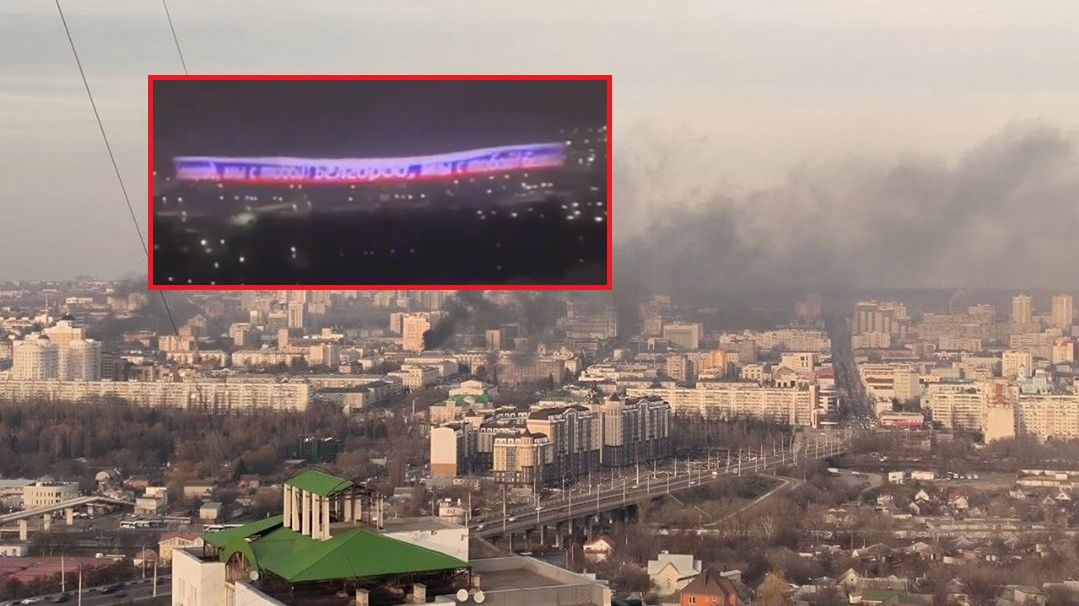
63	332
412	328
297	314
1022	309
1064	352
35	359
1061	313
1015	364
684	335
574	433
635	430
887	317
81	361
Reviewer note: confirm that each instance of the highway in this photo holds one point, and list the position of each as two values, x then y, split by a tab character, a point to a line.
627	490
138	590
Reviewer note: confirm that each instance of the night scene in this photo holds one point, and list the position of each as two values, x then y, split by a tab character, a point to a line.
286	182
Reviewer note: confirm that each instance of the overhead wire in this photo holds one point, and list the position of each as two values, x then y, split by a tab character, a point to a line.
120	180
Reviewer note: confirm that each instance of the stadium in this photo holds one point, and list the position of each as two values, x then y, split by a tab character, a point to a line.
512	214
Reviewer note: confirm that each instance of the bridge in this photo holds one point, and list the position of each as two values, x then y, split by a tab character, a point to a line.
68	507
626	491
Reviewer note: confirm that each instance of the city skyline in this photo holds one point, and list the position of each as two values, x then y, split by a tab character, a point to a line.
745	127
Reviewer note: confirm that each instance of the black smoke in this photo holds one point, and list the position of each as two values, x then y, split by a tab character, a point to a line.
1002	216
534	312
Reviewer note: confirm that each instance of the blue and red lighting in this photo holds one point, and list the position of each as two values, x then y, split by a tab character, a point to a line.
370	170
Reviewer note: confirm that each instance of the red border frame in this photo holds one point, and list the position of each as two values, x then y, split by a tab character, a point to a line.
151	78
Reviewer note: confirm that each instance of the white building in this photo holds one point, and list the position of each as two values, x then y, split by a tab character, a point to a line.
683	335
670	572
412	328
45	494
1062	312
739	400
1021	309
235	395
35	359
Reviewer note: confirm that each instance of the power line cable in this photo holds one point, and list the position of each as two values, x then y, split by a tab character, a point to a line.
123	187
175	39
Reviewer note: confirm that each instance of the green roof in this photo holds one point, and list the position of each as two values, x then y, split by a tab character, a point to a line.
355	553
884	596
221	538
319	483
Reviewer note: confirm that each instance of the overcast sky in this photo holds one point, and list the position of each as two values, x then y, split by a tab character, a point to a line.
745	91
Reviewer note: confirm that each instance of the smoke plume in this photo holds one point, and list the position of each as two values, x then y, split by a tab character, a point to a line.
1002	216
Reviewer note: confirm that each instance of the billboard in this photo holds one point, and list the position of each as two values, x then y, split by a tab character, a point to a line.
369	170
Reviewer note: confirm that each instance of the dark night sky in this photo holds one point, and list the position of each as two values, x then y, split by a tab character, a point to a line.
361	118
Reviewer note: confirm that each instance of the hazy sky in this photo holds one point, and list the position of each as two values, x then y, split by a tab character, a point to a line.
733	95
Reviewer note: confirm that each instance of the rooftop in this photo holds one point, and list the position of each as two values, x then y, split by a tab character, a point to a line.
319	483
355	553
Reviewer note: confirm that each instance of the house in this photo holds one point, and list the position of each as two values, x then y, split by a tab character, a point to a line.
849	580
876	552
599	550
958	502
145	557
774	590
671	572
197	489
176	540
211	512
1022	595
152	502
713	588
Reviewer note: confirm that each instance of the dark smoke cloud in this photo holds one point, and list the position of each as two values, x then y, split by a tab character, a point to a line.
1004	215
473	310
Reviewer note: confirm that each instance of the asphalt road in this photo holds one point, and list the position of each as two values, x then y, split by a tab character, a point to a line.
135	591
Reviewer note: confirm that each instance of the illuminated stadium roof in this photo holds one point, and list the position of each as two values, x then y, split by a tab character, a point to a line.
369	170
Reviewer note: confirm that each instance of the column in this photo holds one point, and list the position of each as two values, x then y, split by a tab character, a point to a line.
305	514
325	519
47	521
297	494
24	530
348	506
69	516
287	512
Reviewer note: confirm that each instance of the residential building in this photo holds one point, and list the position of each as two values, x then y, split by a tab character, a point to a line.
413	327
671	572
721	400
1061	312
685	336
1022	309
712	588
45	494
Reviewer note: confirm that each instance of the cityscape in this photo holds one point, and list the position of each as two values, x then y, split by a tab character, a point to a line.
517	446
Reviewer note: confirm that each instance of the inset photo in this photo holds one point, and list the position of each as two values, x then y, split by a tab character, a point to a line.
380	182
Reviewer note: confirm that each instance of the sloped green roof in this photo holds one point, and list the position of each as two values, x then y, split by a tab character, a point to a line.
355	553
319	483
223	537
